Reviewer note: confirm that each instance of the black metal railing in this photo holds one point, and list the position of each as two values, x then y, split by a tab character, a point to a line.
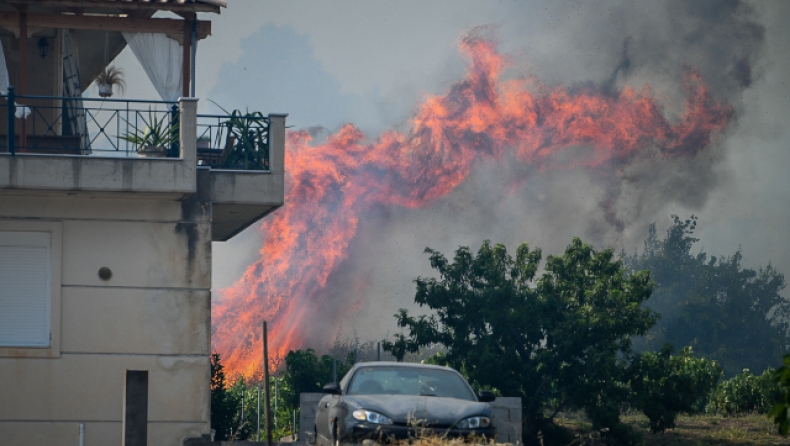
127	127
87	126
233	141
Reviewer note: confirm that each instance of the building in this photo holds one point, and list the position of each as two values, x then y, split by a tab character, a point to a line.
105	249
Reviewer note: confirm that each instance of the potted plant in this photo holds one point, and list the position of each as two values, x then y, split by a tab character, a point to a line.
156	138
247	145
107	78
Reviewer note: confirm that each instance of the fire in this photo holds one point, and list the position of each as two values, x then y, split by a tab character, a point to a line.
330	185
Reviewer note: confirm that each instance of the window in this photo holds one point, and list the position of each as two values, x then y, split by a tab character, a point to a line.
24	289
29	289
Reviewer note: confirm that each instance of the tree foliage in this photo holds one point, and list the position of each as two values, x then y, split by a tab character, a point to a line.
781	410
223	403
744	393
306	372
563	336
664	385
726	312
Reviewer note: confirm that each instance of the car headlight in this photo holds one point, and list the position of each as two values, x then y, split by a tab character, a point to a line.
473	423
371	417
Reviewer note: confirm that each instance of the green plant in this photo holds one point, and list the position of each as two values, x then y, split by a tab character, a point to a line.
111	76
744	393
562	336
157	133
665	385
223	402
781	409
247	140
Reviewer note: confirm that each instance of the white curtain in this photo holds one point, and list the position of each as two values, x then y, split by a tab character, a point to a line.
3	72
21	112
162	59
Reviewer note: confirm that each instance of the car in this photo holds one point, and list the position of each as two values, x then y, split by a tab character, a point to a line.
377	402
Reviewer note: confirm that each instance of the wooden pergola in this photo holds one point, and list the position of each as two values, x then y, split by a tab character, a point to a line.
26	17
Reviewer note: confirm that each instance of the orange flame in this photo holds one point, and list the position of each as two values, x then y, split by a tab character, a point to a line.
481	117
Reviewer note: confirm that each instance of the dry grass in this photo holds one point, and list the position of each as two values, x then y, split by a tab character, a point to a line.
699	430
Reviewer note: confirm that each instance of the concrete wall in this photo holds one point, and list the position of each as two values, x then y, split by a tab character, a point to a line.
505	416
153	314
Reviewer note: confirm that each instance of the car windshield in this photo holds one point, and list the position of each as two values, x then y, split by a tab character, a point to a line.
409	381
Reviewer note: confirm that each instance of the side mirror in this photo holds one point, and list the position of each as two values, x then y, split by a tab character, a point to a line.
486	396
332	388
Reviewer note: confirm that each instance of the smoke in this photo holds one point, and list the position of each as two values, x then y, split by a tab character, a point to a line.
472	164
606	46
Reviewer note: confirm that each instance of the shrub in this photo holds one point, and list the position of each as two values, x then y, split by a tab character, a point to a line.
664	385
743	393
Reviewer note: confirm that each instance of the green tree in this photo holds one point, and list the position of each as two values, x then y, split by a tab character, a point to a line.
781	410
726	312
664	385
223	403
564	337
306	372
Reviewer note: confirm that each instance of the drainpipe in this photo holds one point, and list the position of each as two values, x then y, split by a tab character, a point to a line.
82	434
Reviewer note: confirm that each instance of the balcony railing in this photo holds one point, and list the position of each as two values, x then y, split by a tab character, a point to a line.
235	141
129	128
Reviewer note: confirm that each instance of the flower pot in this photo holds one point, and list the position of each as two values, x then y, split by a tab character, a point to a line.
105	90
153	151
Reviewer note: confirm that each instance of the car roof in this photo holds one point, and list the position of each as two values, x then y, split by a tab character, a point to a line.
401	364
413	365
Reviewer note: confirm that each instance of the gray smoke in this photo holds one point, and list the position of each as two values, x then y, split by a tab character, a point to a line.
607	45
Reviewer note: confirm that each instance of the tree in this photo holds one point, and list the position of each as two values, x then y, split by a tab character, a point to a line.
781	410
305	372
223	403
564	337
726	312
664	385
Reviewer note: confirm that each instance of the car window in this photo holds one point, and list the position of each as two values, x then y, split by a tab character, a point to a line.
409	381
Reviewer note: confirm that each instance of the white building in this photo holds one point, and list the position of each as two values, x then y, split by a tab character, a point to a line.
105	254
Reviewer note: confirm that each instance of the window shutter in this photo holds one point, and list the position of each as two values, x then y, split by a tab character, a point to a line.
25	289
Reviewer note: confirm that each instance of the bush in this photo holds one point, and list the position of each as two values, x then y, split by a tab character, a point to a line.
664	385
743	393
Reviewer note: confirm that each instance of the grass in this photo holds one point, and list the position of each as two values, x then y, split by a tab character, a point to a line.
698	430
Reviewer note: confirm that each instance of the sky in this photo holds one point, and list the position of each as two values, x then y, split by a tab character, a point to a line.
371	63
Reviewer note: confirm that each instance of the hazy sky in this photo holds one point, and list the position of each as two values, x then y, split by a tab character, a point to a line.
370	62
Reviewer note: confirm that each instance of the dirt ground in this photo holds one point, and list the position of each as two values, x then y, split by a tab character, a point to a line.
699	430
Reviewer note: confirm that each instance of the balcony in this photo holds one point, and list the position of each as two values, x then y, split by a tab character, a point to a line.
81	146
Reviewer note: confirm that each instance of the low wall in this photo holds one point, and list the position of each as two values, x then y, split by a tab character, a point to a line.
505	416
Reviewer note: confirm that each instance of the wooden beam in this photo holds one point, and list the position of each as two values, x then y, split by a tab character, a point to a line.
115	5
11	20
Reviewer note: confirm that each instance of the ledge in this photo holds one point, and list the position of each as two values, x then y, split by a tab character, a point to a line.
58	173
239	198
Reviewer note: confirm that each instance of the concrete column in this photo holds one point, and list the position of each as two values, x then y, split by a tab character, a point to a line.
277	143
188	129
135	409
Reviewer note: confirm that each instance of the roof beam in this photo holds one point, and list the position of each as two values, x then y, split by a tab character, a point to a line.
172	27
115	4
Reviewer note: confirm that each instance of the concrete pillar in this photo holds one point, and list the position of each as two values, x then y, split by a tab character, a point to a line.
188	129
135	409
277	143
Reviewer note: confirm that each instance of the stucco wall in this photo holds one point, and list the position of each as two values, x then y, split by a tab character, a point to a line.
153	314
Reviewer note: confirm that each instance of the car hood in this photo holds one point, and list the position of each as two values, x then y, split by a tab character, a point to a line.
404	409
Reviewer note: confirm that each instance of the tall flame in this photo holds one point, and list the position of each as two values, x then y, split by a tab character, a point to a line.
330	185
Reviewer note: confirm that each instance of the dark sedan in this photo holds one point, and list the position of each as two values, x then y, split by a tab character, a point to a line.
383	401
